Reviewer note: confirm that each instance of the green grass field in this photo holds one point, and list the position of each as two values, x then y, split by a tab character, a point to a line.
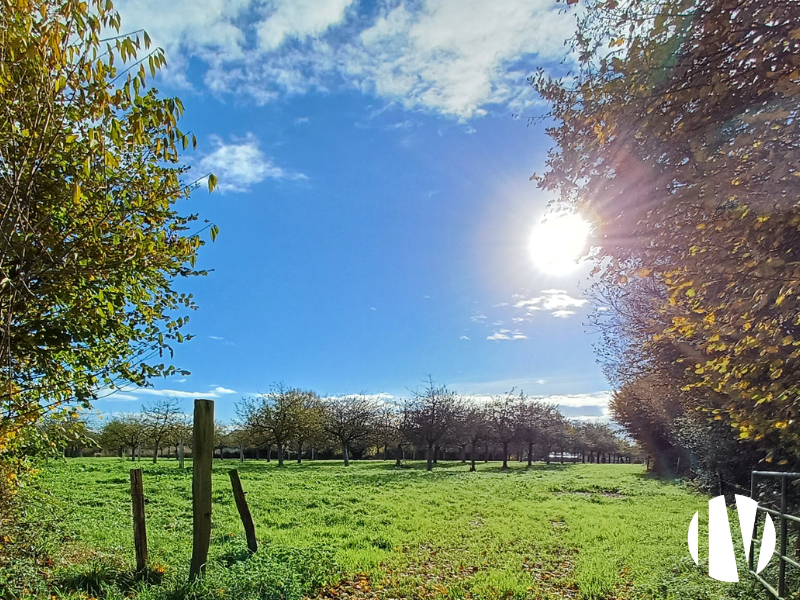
370	531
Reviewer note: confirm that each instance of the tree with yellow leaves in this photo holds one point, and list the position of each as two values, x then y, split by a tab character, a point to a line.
679	137
90	240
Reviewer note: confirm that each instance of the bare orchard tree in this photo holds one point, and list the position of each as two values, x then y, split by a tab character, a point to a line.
473	426
160	418
221	441
386	431
238	438
503	420
126	431
432	413
308	422
532	419
349	419
179	436
272	418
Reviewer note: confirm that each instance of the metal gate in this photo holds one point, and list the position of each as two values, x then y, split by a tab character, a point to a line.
783	524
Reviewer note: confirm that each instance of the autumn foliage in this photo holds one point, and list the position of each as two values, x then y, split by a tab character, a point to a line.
90	239
678	137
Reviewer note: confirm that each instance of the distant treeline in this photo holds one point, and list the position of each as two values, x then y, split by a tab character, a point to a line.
436	423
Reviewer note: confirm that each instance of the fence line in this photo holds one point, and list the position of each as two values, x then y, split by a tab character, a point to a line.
784	517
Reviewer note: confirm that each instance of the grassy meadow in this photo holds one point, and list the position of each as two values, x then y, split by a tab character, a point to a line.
367	531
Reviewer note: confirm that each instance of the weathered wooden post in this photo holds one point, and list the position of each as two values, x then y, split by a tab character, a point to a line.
244	511
202	454
139	529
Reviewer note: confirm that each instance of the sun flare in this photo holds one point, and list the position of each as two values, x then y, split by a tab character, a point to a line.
558	242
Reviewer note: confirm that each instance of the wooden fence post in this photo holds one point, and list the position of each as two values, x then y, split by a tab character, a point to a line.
139	529
244	511
202	453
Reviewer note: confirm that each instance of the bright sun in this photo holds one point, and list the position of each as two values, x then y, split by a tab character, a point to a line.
558	242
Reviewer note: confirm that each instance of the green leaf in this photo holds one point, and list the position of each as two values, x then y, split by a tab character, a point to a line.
212	182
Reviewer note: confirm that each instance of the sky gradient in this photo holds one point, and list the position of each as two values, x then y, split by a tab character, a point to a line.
374	202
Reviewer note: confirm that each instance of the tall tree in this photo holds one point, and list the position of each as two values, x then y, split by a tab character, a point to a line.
432	413
160	418
273	417
91	243
503	420
308	422
678	137
532	418
128	431
349	420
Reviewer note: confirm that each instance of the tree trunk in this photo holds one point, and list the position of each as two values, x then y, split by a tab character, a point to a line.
155	452
463	454
300	453
435	454
472	458
505	455
429	458
241	454
346	455
399	462
530	453
486	454
280	455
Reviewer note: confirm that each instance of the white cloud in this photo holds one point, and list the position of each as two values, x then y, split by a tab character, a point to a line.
600	399
240	164
455	57
381	397
298	20
302	121
215	337
498	336
213	393
507	334
221	390
120	396
478	318
558	302
463	337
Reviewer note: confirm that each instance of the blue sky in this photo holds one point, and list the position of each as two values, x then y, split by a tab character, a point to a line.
374	201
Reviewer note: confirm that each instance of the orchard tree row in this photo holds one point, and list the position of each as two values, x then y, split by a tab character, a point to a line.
432	423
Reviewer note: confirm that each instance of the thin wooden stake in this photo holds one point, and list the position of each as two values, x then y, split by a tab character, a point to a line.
202	454
139	528
244	511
